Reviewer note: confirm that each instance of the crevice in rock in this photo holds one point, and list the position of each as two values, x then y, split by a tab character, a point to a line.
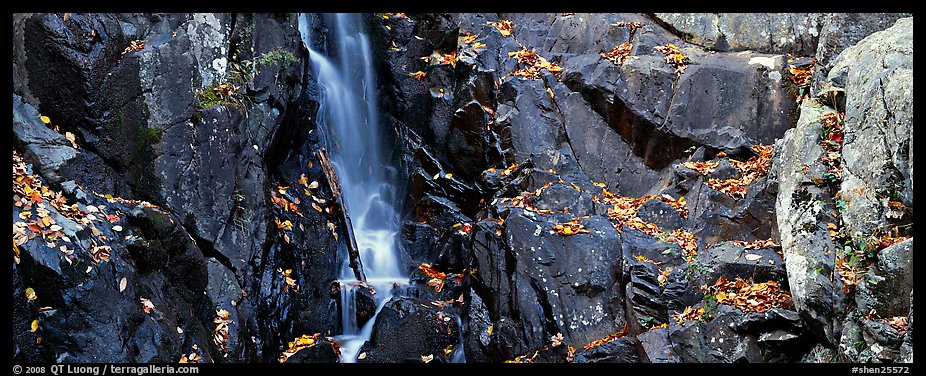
549	321
655	146
668	27
208	249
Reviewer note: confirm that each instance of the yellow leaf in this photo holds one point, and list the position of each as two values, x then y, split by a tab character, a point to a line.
428	358
30	294
362	356
70	137
45	119
146	305
35	325
491	328
448	176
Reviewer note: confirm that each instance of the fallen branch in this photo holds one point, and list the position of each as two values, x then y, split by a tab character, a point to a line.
334	183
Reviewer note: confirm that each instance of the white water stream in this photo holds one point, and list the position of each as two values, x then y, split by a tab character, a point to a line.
348	120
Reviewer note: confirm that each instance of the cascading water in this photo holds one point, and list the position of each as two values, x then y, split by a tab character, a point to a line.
349	124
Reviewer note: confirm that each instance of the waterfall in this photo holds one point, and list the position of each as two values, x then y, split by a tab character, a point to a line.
348	121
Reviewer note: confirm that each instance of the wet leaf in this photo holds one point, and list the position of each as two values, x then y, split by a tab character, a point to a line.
146	305
673	57
570	228
618	54
135	45
609	338
503	27
30	294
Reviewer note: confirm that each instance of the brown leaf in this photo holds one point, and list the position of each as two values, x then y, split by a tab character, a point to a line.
146	305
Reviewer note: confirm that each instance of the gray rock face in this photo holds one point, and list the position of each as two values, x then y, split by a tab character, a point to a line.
715	341
657	346
877	74
758	109
733	261
839	31
49	149
803	209
794	33
601	151
888	288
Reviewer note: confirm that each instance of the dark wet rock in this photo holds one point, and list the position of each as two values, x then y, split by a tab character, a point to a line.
775	318
23	312
714	216
320	353
574	278
793	33
533	126
644	303
839	31
657	347
733	261
559	196
661	214
635	243
715	341
622	350
680	288
426	234
708	110
890	282
725	170
407	329
478	331
601	151
48	149
429	177
91	311
56	157
877	75
364	304
802	225
225	293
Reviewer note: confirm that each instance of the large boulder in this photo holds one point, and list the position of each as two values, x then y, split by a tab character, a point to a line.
839	31
889	285
804	208
409	329
877	75
574	279
127	288
793	33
